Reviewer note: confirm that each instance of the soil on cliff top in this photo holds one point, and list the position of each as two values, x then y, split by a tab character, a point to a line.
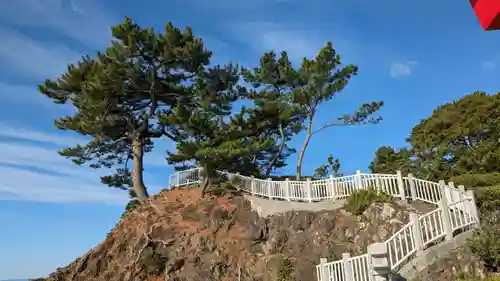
180	237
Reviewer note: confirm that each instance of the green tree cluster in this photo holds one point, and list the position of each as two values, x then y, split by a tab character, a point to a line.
149	85
459	138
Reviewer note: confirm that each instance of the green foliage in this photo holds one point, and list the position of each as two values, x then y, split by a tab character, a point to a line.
359	201
488	200
462	134
388	161
119	93
273	116
215	138
485	245
285	270
131	205
332	167
485	242
221	188
319	80
459	138
477	180
152	261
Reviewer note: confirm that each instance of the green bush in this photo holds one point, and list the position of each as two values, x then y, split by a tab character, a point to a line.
359	201
152	261
131	205
221	188
485	244
488	199
477	180
285	270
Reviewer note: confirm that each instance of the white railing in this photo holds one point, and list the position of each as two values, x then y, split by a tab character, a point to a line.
309	190
455	211
420	233
185	178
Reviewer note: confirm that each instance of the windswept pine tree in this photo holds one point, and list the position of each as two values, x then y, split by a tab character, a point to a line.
120	93
332	167
274	116
214	138
318	81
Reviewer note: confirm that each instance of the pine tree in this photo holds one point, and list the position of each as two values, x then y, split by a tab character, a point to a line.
274	115
119	94
331	167
215	139
318	81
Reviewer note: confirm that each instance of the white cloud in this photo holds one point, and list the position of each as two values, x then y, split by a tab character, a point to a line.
67	183
399	69
298	42
21	94
491	63
82	20
8	130
18	184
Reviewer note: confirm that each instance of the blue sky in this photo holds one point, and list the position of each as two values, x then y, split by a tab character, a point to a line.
414	55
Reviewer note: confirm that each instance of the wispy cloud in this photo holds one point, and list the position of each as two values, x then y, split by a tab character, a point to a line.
298	41
31	169
491	63
33	59
85	21
399	69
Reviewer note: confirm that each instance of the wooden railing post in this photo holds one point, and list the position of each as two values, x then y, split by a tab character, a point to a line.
378	261
287	190
309	190
347	267
401	185
268	188
325	273
413	189
416	233
359	180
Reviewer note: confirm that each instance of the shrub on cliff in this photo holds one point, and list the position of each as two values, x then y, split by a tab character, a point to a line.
359	201
485	242
488	199
477	180
131	205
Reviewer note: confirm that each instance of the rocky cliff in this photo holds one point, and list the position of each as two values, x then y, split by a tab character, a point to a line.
180	237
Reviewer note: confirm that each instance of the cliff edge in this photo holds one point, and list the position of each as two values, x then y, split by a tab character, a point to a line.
180	237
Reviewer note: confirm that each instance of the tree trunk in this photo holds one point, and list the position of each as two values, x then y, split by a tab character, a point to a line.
137	169
280	150
304	147
204	186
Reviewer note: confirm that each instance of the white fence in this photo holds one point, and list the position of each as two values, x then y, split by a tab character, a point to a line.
456	211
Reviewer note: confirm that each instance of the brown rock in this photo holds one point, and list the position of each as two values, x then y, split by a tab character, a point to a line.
182	238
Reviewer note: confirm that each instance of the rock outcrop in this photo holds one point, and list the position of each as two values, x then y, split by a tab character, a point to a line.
178	237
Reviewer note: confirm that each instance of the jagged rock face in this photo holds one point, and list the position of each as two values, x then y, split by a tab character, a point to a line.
180	238
459	264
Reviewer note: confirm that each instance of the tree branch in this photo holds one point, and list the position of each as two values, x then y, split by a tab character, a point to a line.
339	125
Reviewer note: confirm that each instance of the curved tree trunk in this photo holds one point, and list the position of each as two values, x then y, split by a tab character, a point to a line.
280	150
304	147
138	185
